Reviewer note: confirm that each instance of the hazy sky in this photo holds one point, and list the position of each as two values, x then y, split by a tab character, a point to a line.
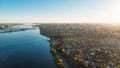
49	11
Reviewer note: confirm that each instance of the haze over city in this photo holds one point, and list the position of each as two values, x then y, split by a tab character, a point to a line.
59	11
59	33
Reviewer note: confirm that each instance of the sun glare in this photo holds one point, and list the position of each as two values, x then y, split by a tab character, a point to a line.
116	6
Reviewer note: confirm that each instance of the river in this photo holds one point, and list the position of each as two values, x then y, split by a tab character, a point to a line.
25	49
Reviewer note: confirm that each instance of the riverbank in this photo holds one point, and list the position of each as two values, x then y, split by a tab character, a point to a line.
58	58
15	28
3	26
84	45
58	61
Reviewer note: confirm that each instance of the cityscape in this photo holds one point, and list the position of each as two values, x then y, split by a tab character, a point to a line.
59	33
82	45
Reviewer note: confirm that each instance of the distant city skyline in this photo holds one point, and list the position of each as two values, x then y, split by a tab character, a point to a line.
60	11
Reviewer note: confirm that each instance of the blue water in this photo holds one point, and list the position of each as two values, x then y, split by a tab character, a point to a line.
25	49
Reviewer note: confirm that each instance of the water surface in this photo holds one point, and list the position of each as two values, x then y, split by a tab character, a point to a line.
25	49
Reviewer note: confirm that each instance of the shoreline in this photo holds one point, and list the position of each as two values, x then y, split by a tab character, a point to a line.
5	30
58	58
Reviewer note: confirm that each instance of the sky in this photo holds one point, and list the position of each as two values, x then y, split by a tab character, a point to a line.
59	11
